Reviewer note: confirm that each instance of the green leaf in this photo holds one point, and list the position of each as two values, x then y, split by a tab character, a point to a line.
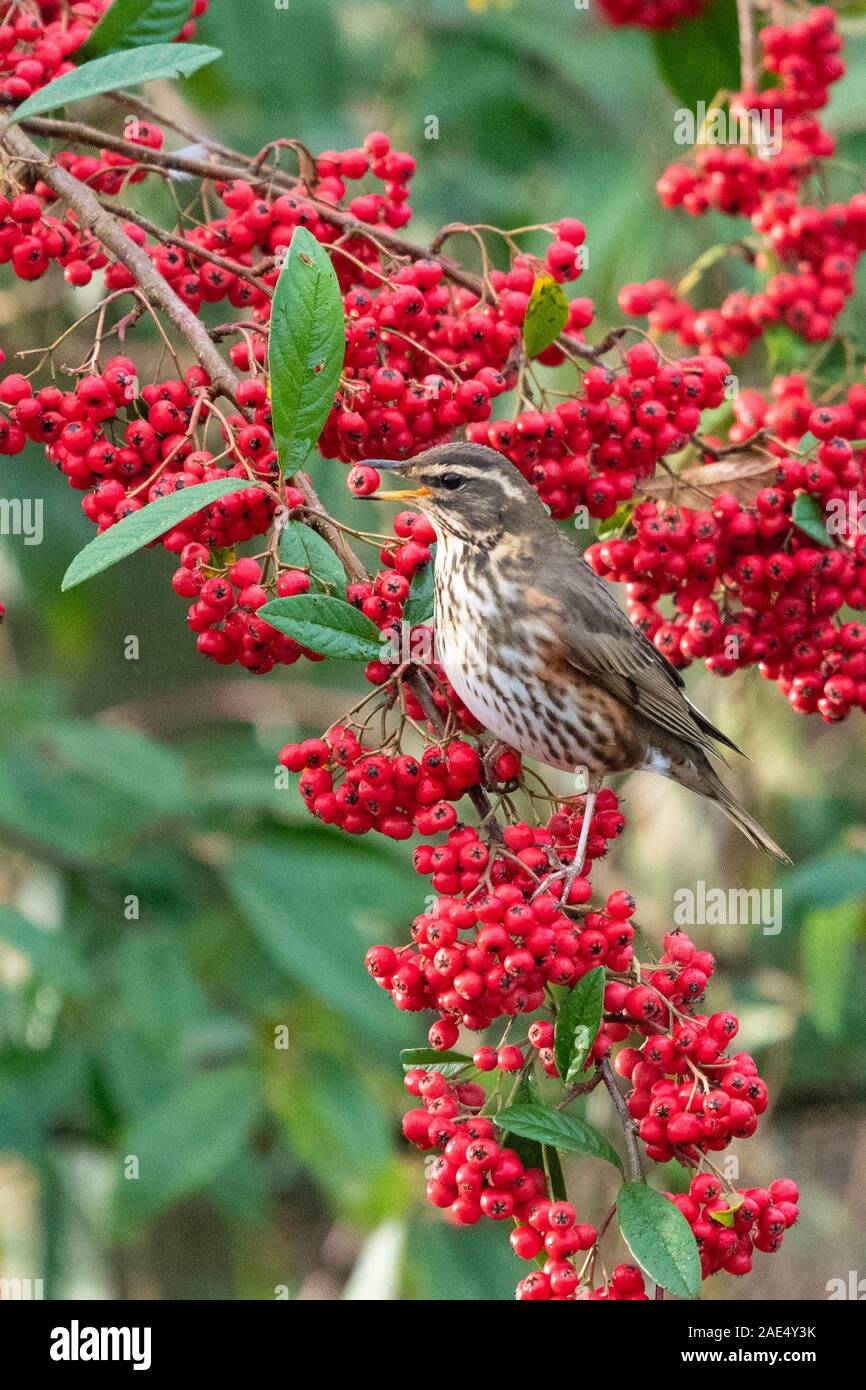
125	69
303	900
546	315
133	23
85	790
577	1024
306	347
559	1131
121	760
418	607
303	548
701	58
530	1152
825	881
828	941
338	1125
612	525
38	1088
329	626
448	1062
659	1238
140	528
51	954
242	1191
807	515
725	1215
786	351
152	989
184	1142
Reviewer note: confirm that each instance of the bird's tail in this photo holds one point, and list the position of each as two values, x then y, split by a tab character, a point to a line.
701	776
745	823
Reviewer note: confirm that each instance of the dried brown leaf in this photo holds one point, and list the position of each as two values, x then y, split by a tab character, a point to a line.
741	474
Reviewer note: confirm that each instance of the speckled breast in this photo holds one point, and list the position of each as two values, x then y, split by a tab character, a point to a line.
496	653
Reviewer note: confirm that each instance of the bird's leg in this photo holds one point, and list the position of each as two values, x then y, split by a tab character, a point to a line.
571	871
576	864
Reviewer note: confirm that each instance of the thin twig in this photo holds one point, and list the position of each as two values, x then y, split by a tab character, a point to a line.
419	684
747	45
192	248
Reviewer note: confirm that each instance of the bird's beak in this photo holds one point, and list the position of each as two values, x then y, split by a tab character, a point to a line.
394	466
400	496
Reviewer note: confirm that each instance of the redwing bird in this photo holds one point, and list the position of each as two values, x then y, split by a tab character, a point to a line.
538	648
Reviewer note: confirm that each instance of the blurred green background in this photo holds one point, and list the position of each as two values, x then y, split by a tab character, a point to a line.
181	976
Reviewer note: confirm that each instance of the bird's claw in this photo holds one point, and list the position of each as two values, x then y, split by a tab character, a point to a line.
489	759
544	885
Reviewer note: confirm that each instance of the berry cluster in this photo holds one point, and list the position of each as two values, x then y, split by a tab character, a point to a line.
750	587
688	1095
395	795
155	455
517	940
473	1176
732	178
594	448
651	14
224	612
400	336
729	1225
31	238
818	248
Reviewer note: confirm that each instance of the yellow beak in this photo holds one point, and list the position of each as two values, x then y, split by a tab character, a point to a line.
400	496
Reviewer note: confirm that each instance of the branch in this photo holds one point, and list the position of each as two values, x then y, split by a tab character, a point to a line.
583	1088
629	1127
77	133
84	202
139	107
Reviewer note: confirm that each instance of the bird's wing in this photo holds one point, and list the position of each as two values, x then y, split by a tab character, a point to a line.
605	646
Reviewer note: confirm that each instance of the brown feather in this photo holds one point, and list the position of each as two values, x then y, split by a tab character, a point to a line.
601	643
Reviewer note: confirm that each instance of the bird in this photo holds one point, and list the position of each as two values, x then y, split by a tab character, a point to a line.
537	647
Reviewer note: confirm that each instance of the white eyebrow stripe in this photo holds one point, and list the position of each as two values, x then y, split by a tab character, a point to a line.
468	470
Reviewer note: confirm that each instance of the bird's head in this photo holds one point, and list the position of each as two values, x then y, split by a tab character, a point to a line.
467	490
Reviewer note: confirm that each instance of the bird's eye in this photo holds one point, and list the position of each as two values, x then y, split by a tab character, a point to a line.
451	481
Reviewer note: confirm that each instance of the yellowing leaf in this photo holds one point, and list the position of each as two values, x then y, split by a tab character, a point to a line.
546	315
